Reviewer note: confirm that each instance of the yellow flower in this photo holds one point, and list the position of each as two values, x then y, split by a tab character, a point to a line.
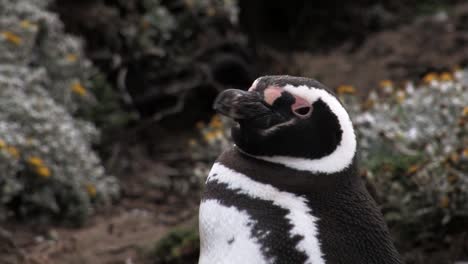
2	144
446	76
385	83
413	169
12	38
444	202
465	111
26	24
71	57
218	134
79	89
346	89
400	96
35	161
91	189
13	152
43	171
216	122
432	76
209	136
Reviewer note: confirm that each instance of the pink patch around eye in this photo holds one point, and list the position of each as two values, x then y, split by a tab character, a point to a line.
271	94
301	107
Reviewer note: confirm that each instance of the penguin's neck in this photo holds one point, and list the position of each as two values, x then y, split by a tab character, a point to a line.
340	201
288	179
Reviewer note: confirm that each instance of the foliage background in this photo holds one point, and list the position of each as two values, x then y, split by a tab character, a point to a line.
106	122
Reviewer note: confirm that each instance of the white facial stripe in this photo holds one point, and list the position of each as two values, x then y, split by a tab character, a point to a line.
220	242
254	85
299	214
343	155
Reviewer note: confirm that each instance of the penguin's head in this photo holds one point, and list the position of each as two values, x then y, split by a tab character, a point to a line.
293	121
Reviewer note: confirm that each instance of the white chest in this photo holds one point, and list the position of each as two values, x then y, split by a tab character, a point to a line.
226	231
225	234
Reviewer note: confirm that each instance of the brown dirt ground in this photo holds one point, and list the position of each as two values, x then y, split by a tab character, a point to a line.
434	43
124	235
118	238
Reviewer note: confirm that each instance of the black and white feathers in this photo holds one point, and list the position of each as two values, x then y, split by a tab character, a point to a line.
288	191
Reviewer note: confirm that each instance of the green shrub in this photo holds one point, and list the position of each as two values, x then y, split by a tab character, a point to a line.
48	168
414	146
180	245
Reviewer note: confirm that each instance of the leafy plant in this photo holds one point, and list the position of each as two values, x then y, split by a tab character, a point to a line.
179	246
48	167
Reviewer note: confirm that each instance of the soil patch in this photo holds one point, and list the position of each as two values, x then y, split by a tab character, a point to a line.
434	43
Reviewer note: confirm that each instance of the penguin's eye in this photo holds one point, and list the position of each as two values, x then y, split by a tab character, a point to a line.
303	111
301	108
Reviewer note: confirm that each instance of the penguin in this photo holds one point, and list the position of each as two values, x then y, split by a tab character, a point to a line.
288	191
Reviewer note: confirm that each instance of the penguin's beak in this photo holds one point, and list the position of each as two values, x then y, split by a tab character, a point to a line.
246	107
240	105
